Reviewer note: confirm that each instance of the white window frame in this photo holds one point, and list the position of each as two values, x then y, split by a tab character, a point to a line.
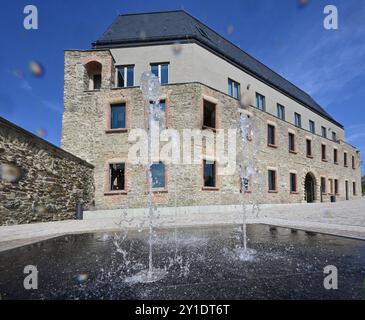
125	66
233	82
159	64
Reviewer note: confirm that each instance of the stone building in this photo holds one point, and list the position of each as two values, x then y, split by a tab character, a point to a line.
300	152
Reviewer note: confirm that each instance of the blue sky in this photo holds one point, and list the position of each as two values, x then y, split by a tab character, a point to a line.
286	36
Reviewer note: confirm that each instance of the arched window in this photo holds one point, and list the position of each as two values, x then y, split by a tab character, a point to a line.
93	75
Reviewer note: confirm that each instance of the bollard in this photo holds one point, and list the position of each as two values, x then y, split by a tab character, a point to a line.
79	211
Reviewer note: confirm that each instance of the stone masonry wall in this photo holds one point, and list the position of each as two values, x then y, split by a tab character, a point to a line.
39	181
85	133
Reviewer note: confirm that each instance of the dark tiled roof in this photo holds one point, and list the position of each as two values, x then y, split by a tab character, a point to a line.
169	26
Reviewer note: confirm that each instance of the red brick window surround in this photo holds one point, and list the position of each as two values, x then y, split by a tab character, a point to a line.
309	148
335	156
209	175
331	190
209	115
159	177
293	183
324	152
291	142
336	187
116	180
354	188
323	185
272	181
117	116
271	135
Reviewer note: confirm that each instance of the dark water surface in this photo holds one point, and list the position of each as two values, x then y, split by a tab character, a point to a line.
201	264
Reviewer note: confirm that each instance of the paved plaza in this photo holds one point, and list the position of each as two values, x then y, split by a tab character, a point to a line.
345	218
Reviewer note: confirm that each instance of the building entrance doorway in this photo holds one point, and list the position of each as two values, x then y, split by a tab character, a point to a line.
310	187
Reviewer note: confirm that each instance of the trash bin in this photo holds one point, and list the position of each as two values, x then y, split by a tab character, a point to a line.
333	198
79	211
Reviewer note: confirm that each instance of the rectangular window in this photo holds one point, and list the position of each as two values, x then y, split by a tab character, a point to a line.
291	142
309	148
270	135
209	173
293	182
345	159
209	114
323	185
324	158
280	111
312	126
260	102
335	156
297	120
353	162
233	89
124	76
336	186
118	116
161	70
272	180
97	81
334	136
331	185
158	175
117	176
324	132
354	188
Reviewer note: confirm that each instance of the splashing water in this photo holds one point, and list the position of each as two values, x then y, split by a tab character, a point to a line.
151	91
248	132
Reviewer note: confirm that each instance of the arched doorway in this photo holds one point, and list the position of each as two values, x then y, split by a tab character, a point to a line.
310	187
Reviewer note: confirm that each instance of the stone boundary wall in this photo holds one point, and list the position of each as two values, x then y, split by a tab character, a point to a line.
39	181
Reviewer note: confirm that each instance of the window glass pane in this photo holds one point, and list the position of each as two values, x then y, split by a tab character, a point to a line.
154	69
158	175
260	102
309	147
281	112
298	120
117	176
293	182
130	76
291	142
117	116
209	174
236	90
120	77
312	126
324	132
271	134
230	90
272	182
164	73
